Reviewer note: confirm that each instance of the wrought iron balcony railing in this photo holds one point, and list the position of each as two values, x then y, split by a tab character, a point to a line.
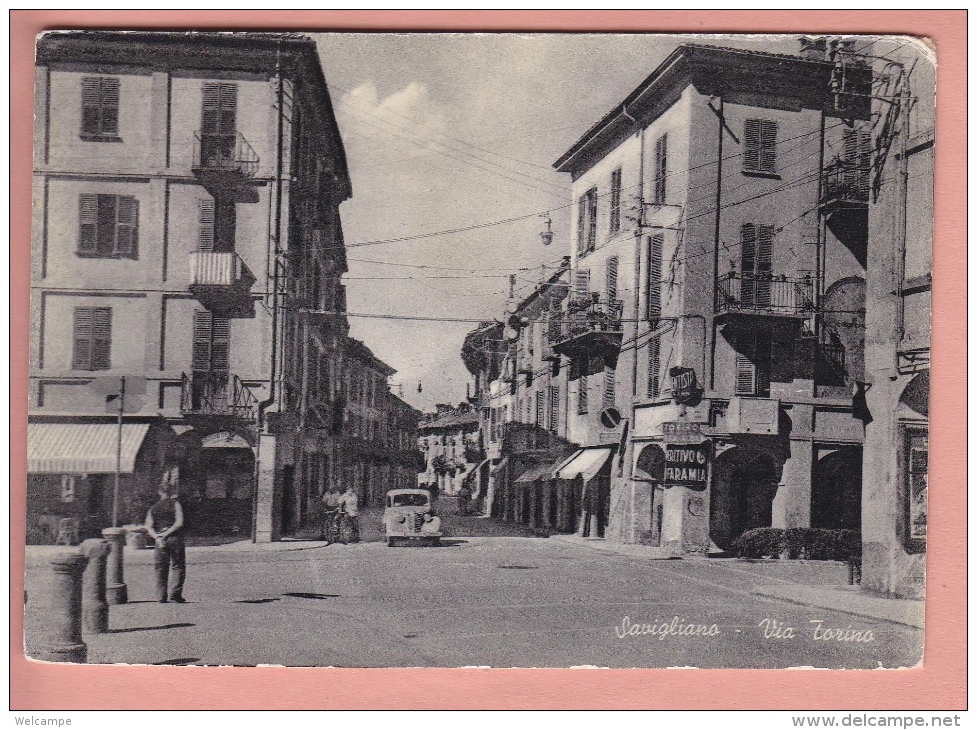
217	393
846	181
229	154
589	325
765	294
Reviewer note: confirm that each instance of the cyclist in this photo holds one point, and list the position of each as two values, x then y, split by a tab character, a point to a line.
331	499
349	503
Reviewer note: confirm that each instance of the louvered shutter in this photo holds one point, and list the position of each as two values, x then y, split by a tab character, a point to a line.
654	365
611	284
110	106
554	407
610	384
91	100
202	326
82	333
762	354
661	169
540	409
210	122
582	395
615	224
220	352
764	265
745	375
768	146
655	245
228	108
581	284
751	145
582	225
127	213
554	325
101	338
205	236
88	218
591	219
748	259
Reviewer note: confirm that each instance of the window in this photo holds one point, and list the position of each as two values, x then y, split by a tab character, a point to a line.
610	387
108	225
655	245
756	259
661	169
760	146
211	342
582	405
540	409
218	123
554	407
99	107
611	283
753	363
615	201
587	222
917	480
92	338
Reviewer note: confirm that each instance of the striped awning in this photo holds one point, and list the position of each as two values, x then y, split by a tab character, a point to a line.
82	448
586	463
537	471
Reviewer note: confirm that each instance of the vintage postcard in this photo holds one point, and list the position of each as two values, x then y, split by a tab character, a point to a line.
480	350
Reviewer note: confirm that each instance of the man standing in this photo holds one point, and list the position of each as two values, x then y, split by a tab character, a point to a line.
330	507
164	523
350	504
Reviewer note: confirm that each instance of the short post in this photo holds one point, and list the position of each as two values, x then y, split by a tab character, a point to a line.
94	606
64	642
115	588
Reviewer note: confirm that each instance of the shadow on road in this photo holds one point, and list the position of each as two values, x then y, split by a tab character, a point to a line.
150	628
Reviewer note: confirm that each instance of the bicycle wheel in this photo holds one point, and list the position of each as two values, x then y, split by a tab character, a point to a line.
345	530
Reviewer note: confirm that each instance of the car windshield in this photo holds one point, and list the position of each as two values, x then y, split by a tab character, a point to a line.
410	500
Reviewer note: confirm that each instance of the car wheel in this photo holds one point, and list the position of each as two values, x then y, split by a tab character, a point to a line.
435	542
391	542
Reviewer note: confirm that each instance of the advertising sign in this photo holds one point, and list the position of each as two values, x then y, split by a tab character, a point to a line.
687	465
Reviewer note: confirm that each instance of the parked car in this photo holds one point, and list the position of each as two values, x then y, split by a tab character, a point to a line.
408	515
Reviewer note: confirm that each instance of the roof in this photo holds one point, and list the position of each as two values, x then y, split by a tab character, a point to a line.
409	491
359	350
82	448
714	70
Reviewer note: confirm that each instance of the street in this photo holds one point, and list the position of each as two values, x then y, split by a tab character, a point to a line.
487	597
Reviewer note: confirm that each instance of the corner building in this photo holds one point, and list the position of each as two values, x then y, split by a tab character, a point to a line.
714	329
186	235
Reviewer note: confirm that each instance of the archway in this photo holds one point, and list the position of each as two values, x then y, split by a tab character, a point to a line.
217	481
744	484
836	490
650	466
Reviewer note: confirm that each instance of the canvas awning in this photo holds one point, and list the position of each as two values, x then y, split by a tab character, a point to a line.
585	463
537	471
82	448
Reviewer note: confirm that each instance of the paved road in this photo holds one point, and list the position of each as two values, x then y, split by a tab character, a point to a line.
499	600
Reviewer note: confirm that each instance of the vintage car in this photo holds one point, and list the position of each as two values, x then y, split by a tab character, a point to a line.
409	516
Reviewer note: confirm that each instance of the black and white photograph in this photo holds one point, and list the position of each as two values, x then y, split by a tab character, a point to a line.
536	350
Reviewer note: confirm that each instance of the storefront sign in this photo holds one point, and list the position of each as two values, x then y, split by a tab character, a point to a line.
687	465
685	386
682	432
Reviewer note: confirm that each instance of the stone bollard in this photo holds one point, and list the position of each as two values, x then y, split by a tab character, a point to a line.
95	609
115	588
64	642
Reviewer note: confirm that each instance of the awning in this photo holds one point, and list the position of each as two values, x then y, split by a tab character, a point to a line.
537	471
585	463
82	448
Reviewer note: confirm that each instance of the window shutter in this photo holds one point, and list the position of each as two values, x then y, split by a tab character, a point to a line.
612	265
768	146
205	237
211	109
609	386
202	326
554	407
82	357
110	106
127	212
654	365
554	325
615	224
745	375
91	99
101	338
540	409
582	404
88	218
661	169
591	219
751	144
228	108
220	352
582	225
581	284
655	245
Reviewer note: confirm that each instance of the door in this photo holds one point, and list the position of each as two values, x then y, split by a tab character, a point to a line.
218	129
756	258
211	362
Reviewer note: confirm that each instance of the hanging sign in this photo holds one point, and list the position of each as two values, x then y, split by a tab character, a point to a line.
687	465
685	386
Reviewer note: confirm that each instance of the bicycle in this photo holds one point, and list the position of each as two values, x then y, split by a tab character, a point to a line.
330	530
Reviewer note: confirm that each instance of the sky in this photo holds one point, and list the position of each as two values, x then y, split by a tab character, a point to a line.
450	131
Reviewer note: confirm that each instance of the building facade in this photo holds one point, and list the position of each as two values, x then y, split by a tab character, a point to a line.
451	444
898	315
185	233
714	329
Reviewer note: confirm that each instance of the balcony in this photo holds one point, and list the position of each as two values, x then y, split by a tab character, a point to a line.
222	282
592	327
218	395
765	295
845	183
222	160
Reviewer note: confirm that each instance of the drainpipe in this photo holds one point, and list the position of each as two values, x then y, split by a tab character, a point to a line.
273	375
629	454
715	273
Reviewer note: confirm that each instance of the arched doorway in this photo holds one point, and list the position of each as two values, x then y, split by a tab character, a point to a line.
217	478
650	466
744	484
836	490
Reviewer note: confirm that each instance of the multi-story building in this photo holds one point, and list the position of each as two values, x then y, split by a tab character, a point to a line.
379	441
898	313
451	444
185	235
714	329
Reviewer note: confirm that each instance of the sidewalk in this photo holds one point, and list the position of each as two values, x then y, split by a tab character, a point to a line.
804	582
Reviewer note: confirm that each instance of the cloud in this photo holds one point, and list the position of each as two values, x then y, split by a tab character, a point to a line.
407	118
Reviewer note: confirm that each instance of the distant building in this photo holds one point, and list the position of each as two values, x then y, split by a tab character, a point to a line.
186	235
715	320
449	440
